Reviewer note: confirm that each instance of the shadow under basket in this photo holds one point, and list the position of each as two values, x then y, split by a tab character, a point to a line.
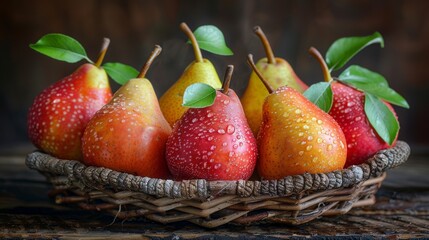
293	200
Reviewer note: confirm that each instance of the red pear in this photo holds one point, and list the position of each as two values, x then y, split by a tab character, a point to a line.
348	110
213	143
59	115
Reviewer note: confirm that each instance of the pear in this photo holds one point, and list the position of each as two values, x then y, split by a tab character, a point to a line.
200	70
296	136
213	143
348	109
129	133
277	73
59	114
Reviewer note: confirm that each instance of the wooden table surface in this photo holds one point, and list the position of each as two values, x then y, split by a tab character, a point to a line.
26	211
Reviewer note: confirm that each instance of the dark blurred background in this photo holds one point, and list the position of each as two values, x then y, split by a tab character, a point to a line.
135	26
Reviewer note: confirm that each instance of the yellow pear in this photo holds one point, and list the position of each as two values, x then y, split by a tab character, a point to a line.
200	70
277	72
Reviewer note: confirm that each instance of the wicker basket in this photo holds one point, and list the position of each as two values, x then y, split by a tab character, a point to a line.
293	199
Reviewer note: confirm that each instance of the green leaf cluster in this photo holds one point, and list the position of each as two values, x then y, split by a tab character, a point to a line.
67	49
373	84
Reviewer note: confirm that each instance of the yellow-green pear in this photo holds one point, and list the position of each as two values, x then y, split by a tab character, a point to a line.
200	70
277	73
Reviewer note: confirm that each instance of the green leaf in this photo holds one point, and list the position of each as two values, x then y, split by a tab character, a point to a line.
381	118
119	72
321	95
361	77
199	95
371	82
211	39
343	49
60	47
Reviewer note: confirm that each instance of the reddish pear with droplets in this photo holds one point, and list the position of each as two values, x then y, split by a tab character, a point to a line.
60	113
296	136
215	142
348	109
129	133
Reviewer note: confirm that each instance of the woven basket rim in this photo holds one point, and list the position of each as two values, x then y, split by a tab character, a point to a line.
101	177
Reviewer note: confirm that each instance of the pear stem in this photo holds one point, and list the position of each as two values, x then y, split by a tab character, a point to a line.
156	51
188	32
316	54
103	51
268	50
227	79
253	66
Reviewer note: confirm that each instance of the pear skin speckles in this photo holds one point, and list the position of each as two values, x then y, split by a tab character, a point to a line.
219	146
348	110
59	114
297	137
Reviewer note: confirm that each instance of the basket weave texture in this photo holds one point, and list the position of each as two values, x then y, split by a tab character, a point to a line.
294	199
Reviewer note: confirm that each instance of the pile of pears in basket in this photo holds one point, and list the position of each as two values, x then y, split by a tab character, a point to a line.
200	128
